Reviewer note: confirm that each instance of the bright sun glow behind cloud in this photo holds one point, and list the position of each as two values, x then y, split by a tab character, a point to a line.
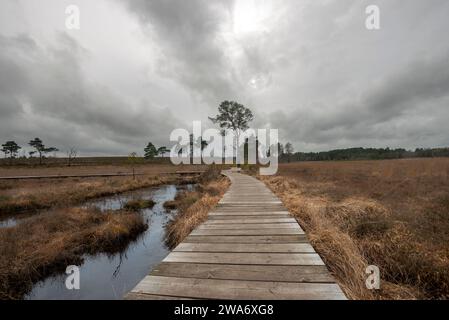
251	16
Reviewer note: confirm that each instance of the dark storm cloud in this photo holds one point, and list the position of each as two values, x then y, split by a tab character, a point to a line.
403	107
44	93
189	35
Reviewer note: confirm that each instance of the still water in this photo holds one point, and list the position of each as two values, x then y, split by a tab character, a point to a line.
111	277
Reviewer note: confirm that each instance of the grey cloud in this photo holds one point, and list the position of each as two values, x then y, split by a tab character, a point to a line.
189	34
399	110
48	95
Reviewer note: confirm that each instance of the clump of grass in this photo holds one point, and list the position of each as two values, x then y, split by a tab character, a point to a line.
138	204
193	207
170	205
182	200
47	243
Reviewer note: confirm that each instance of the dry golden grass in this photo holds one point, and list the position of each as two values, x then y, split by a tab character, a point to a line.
47	243
393	214
182	200
43	194
138	204
150	169
194	206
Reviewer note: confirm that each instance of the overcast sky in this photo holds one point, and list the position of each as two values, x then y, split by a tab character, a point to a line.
137	69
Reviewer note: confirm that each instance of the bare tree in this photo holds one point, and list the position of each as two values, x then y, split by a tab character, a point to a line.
71	156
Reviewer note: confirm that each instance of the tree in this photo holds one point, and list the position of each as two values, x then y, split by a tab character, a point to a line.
233	116
71	156
150	151
37	144
162	151
11	148
288	150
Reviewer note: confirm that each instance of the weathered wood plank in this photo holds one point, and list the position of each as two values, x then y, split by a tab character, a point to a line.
247	232
244	272
243	216
297	259
250	207
245	247
232	289
249	213
247	239
247	226
249	220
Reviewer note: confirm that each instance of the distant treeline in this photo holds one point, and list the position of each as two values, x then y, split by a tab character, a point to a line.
365	154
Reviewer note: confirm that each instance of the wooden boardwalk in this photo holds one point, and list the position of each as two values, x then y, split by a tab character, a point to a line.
249	248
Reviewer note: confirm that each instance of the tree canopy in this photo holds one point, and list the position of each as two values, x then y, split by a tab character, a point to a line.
233	115
11	148
41	149
150	151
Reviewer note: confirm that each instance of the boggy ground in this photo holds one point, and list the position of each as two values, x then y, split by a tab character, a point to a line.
393	214
47	243
25	196
55	234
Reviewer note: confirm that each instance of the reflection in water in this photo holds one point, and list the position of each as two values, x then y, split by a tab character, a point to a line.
111	277
7	223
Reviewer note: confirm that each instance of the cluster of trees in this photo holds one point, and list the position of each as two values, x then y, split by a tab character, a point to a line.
11	149
150	151
285	151
368	154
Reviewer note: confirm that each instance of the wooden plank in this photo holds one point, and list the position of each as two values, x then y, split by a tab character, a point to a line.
297	259
247	203
243	216
232	289
247	226
256	232
249	220
245	247
248	213
250	206
247	239
244	272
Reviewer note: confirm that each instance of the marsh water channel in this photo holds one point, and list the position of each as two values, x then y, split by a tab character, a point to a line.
112	276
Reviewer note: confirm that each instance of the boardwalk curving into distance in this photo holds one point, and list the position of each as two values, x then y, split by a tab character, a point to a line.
249	248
